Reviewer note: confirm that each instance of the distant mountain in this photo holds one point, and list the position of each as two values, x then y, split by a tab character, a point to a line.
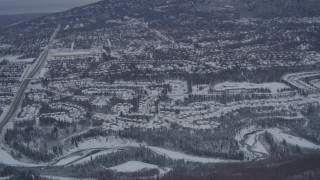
177	19
278	8
6	20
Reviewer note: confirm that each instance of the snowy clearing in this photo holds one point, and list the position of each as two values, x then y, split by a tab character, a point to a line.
7	159
294	140
181	156
82	156
87	159
68	160
15	59
110	142
134	166
43	72
92	148
258	147
273	86
251	139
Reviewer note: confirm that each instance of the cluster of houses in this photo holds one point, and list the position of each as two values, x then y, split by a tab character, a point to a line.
66	112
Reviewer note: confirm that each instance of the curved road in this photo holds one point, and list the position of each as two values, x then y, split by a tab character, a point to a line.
24	84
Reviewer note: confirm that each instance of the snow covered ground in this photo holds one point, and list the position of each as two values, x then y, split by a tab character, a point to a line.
7	159
258	147
273	86
15	59
179	89
110	142
253	141
245	131
181	156
280	135
87	159
134	166
5	178
78	155
43	72
5	111
250	144
82	156
68	160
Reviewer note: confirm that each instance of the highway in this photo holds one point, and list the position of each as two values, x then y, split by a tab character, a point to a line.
15	104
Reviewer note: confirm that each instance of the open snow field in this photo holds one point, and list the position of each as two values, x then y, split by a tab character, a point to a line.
249	142
181	156
15	59
110	142
294	140
134	166
273	86
6	158
83	156
88	158
258	147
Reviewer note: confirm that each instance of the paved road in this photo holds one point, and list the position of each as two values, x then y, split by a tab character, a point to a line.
24	84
